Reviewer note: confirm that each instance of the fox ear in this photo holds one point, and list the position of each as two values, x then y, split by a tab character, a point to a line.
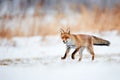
68	30
61	30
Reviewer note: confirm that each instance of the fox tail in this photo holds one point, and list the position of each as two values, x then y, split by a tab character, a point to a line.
100	41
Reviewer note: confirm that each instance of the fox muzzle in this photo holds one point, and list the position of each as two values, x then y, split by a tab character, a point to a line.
64	41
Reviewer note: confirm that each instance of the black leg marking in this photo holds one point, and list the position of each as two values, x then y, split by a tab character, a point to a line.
73	54
66	53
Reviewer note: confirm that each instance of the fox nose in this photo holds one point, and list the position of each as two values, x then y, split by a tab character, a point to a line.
64	41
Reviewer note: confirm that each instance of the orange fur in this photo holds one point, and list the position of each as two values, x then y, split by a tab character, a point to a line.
79	42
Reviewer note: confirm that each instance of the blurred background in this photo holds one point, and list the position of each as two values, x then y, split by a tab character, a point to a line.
46	17
30	44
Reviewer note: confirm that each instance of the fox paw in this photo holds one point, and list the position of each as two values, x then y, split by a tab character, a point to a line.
80	59
72	57
92	58
62	58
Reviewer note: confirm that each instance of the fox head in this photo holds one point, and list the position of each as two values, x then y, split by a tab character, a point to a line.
65	35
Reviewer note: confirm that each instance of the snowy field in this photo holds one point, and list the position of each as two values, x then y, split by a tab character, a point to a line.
33	58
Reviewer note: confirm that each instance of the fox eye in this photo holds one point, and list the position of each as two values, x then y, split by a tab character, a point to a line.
66	37
63	37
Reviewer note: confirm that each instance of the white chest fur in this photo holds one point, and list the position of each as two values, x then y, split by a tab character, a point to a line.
70	43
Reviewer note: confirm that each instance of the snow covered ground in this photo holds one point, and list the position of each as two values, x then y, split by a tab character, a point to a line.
33	58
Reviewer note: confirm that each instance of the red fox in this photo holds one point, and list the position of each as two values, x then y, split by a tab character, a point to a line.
80	42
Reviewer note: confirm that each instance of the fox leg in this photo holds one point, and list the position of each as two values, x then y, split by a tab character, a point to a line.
80	52
66	53
73	54
90	48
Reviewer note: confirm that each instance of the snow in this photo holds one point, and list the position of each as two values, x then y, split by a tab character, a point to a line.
32	58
